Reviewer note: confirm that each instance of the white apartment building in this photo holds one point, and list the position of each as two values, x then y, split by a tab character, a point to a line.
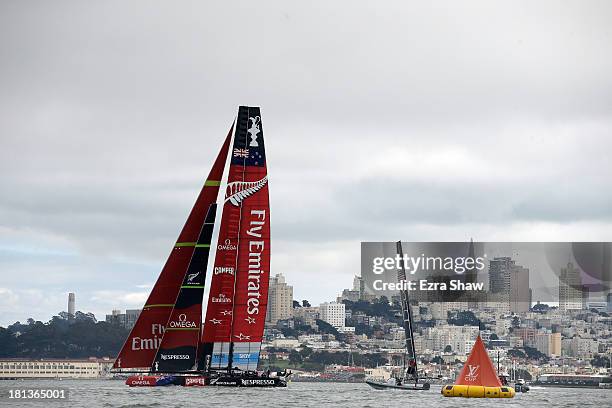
333	313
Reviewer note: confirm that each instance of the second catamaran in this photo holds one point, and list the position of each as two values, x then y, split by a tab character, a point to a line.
410	378
169	343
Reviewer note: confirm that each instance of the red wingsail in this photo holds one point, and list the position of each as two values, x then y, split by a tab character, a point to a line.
478	369
145	338
238	298
178	349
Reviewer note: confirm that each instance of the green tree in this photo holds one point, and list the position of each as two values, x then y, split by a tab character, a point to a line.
272	359
305	352
61	338
295	358
535	354
516	353
464	318
601	360
361	328
8	343
540	308
327	328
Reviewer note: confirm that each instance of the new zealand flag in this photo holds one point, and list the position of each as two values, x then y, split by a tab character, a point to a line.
248	149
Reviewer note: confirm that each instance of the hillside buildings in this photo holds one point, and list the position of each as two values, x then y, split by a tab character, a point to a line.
307	315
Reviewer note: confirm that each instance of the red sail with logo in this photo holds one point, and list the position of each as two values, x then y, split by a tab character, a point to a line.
236	312
145	337
478	369
178	350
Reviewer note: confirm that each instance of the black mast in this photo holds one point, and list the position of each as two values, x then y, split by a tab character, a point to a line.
411	370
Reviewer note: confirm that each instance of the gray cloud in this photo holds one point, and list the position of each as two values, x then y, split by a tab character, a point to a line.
421	121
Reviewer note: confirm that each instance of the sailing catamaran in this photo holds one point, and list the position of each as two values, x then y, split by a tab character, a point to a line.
169	344
410	378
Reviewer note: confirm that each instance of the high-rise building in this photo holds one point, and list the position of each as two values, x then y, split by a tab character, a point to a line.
280	300
610	302
570	284
358	284
520	294
499	268
333	313
71	304
509	284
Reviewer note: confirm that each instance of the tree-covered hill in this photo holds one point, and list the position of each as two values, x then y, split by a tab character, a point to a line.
62	337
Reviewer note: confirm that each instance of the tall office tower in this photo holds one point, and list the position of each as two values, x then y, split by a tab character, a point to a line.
570	284
520	294
509	283
280	300
609	302
358	285
499	276
71	303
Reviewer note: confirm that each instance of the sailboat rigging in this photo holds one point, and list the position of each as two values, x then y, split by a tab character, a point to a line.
410	371
169	342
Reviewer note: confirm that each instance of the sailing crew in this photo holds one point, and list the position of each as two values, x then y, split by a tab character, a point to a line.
411	370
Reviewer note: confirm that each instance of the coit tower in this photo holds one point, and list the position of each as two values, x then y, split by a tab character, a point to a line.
71	304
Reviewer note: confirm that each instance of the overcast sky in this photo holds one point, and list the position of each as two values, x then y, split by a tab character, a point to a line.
383	120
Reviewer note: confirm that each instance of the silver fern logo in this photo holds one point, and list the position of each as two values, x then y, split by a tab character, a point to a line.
237	191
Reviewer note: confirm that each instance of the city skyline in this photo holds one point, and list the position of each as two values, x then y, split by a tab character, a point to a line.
489	127
282	292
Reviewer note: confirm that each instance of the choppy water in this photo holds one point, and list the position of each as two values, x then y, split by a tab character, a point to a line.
114	394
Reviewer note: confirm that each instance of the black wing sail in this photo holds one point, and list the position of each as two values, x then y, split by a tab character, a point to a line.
179	346
411	362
